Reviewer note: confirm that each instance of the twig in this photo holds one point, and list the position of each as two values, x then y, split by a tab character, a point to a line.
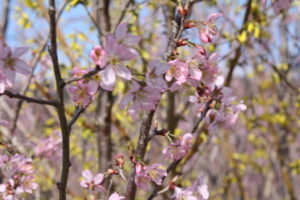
123	13
76	116
93	20
4	23
238	52
87	75
29	99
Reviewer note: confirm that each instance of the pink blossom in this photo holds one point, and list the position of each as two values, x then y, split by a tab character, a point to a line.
83	92
143	98
227	113
146	174
281	5
116	196
156	173
210	30
92	183
178	149
198	191
124	37
113	56
174	151
178	70
10	63
207	65
142	179
181	194
155	74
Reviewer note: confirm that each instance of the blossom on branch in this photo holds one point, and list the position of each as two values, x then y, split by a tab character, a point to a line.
92	183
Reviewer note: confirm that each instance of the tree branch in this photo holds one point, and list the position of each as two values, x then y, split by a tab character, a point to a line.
62	185
29	99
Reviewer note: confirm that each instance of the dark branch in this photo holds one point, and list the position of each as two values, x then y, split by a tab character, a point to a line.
29	99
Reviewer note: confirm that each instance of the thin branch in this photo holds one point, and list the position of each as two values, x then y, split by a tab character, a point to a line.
123	13
87	75
93	20
77	114
29	99
62	185
238	52
5	17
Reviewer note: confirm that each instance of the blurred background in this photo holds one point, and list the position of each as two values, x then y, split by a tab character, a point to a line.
259	44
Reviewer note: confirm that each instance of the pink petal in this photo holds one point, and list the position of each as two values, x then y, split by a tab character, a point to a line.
109	76
22	67
87	175
98	179
123	72
213	17
121	31
18	52
92	87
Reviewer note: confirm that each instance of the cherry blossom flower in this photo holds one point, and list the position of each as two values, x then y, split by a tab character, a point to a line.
112	57
227	113
198	191
155	74
83	92
146	174
143	98
210	30
92	183
281	5
124	37
178	149
116	196
207	65
181	194
156	173
141	179
178	70
10	63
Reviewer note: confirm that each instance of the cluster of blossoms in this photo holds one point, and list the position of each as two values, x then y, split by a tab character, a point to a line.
199	70
84	90
10	64
18	172
111	60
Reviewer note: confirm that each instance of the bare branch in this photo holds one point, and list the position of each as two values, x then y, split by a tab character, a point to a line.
29	99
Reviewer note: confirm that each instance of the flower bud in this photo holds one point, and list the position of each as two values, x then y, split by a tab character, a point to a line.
182	42
182	11
189	24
